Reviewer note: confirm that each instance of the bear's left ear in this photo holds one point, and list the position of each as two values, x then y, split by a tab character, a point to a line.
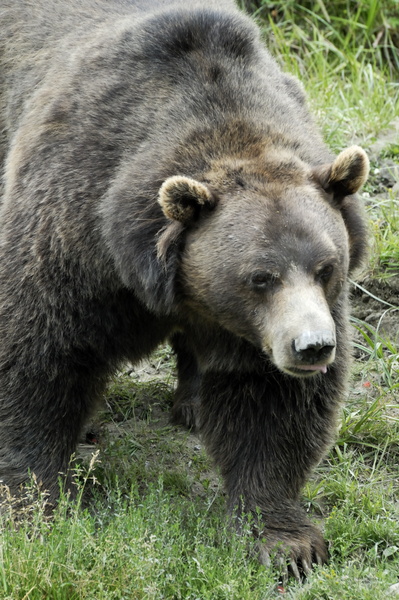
343	178
346	174
182	199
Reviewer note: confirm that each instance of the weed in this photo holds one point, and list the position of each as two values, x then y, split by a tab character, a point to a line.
384	220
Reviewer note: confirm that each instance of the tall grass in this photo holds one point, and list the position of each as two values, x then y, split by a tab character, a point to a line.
352	80
344	31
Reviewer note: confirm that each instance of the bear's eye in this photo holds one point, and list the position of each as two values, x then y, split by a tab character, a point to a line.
324	275
263	279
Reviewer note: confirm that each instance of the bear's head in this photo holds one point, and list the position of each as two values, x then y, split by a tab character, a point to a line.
268	250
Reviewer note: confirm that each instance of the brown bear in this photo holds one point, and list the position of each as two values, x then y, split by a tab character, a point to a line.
163	179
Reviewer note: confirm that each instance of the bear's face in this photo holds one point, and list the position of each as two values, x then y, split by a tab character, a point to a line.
268	263
270	270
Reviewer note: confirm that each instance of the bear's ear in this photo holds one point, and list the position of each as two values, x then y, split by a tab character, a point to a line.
182	199
343	178
346	175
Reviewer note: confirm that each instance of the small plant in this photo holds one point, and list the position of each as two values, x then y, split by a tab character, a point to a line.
384	218
372	421
382	354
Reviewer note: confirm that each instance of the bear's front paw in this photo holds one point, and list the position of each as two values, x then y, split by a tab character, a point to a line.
292	552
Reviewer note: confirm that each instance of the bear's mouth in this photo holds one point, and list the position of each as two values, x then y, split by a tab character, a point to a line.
307	370
320	368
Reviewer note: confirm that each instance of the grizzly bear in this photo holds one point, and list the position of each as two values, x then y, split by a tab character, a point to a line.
163	179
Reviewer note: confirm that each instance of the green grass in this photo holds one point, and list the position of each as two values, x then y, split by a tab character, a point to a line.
150	545
349	82
346	54
341	31
384	224
149	522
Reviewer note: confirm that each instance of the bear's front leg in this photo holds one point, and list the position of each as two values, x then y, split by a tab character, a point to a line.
266	432
287	537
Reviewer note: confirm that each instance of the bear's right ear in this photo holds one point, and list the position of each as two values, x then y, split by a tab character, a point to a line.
346	174
182	199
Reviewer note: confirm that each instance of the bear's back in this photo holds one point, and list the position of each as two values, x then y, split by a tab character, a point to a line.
139	67
35	36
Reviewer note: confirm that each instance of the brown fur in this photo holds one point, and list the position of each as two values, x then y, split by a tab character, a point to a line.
182	198
164	179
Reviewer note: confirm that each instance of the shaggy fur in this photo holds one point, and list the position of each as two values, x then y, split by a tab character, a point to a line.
162	178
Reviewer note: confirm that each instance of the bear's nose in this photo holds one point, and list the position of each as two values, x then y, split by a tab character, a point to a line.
314	346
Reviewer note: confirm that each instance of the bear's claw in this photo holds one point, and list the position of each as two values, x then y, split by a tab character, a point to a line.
293	556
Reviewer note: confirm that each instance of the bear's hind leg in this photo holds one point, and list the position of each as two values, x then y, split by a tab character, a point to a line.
40	422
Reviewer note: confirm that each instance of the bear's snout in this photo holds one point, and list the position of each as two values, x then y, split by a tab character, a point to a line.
314	348
300	337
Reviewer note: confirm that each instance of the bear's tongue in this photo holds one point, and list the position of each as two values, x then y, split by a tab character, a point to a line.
321	368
